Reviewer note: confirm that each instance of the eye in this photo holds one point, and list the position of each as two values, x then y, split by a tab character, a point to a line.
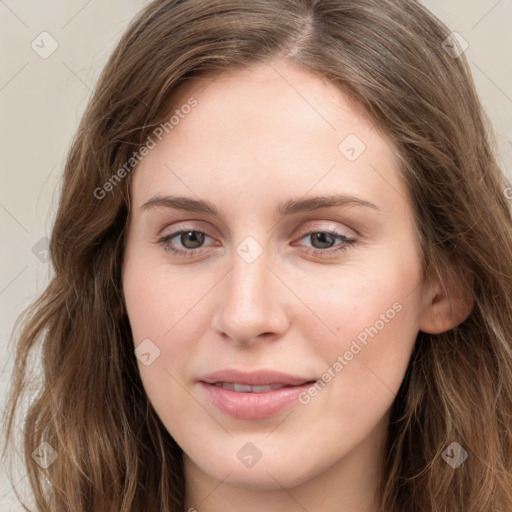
190	239
324	240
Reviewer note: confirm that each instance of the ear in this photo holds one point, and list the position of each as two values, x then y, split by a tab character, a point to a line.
447	303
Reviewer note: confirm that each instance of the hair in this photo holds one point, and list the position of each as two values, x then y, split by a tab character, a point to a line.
114	453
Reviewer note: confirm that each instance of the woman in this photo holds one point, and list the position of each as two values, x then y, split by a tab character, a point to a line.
283	272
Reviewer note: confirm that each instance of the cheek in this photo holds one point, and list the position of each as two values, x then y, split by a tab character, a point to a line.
159	299
373	319
350	298
157	311
167	317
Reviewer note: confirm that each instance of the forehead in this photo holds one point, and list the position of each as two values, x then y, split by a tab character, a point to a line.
270	129
280	91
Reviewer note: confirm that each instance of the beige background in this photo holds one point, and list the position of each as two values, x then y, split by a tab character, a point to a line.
41	101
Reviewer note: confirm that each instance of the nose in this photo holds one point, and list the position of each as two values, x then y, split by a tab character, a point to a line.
253	303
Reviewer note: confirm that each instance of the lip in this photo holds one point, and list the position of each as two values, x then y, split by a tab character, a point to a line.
249	405
253	406
255	378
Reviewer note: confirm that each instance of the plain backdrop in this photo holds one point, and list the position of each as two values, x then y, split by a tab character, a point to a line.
42	98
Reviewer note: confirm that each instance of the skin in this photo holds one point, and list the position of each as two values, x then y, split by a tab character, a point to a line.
257	138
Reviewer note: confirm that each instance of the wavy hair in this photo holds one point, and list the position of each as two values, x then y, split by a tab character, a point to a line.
114	454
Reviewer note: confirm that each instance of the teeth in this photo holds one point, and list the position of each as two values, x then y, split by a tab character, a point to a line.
242	388
245	388
260	389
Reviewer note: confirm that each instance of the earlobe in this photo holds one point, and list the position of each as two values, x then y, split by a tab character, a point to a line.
446	309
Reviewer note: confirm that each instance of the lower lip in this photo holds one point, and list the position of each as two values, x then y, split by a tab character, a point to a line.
253	406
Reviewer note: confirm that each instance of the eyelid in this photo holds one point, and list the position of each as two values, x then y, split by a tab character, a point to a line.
188	225
314	226
319	226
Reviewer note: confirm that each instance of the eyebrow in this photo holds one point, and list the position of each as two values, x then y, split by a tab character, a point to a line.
290	207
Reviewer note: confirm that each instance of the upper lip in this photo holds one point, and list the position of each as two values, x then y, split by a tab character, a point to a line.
255	378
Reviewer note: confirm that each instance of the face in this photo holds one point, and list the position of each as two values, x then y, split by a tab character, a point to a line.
248	272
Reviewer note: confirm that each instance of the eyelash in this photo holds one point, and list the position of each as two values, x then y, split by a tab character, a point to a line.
347	242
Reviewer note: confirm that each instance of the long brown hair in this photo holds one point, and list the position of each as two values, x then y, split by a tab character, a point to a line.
113	452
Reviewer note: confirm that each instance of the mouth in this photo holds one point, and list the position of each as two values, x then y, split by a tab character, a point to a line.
254	379
253	396
246	388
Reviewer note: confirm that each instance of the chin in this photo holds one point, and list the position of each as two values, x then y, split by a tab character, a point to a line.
268	473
